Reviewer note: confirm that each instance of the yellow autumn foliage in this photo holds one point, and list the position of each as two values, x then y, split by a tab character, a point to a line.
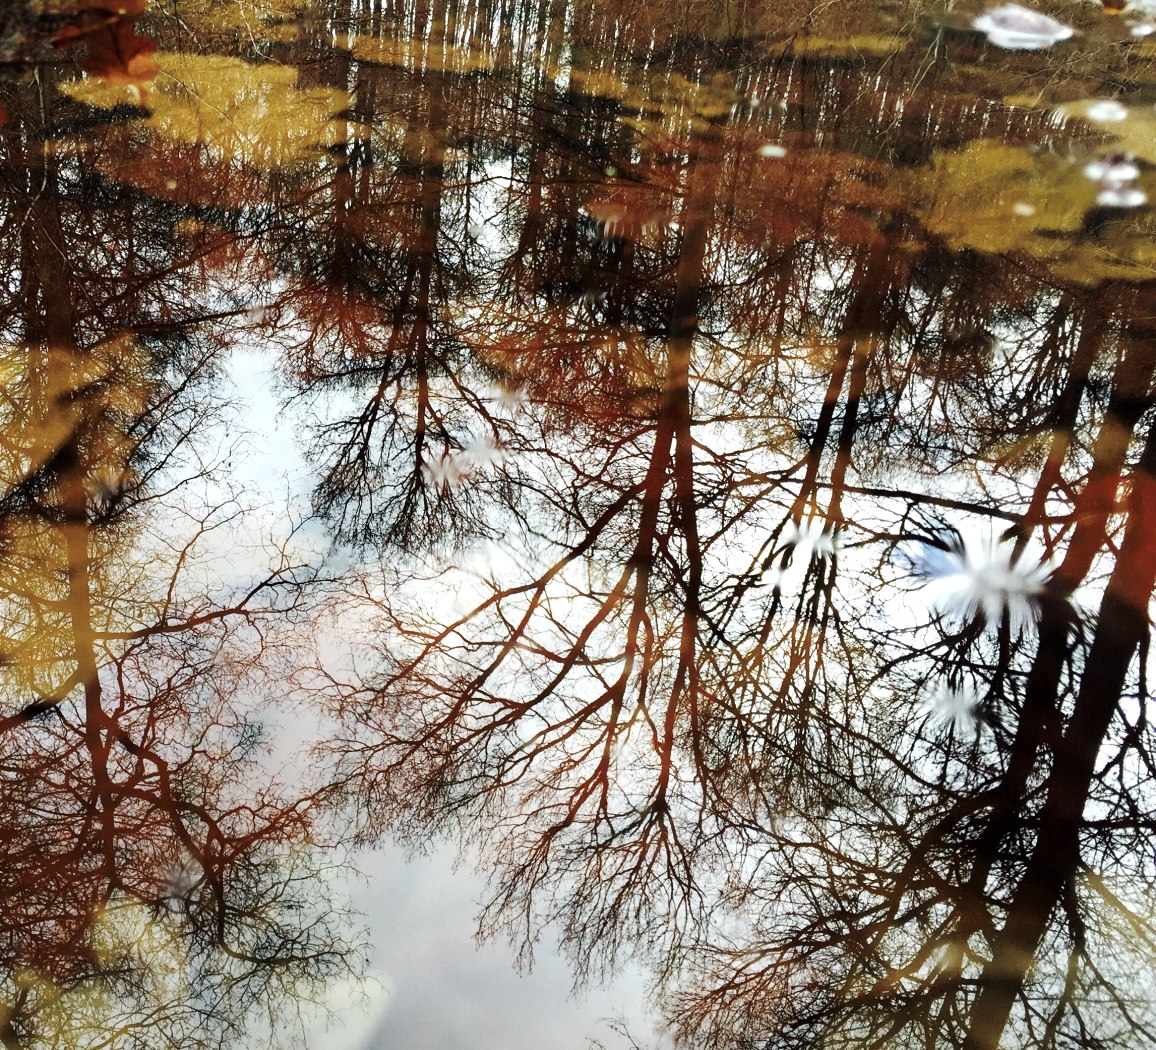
998	199
434	55
236	111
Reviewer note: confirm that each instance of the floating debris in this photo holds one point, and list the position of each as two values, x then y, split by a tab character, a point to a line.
1107	111
1116	170
1021	29
1122	197
811	537
956	709
1117	175
977	577
509	399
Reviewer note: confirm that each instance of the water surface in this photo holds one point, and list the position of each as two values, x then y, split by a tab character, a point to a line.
698	463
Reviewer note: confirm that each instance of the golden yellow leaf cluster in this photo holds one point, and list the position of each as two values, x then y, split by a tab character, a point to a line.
236	111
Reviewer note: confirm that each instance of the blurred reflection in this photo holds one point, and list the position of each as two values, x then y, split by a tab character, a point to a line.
741	438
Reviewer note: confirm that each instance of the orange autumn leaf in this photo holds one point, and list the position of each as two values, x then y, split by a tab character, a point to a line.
116	52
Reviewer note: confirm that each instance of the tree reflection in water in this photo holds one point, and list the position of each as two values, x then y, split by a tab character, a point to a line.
159	884
745	436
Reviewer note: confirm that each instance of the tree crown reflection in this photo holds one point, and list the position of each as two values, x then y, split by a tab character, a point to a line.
738	435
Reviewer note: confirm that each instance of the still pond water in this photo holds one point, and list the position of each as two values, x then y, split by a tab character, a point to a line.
696	460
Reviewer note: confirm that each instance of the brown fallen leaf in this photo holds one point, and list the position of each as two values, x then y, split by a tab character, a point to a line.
117	54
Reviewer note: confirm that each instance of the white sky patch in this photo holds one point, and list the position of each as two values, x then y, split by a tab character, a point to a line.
430	986
349	1015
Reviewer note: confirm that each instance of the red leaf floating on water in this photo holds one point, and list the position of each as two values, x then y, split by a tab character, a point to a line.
116	52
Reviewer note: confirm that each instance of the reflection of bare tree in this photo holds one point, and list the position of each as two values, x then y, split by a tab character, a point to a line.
562	698
157	883
401	421
915	907
681	707
698	381
1049	877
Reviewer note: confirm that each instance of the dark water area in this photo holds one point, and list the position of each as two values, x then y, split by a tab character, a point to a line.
698	461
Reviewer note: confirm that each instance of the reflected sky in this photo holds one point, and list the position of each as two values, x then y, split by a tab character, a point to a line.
696	466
